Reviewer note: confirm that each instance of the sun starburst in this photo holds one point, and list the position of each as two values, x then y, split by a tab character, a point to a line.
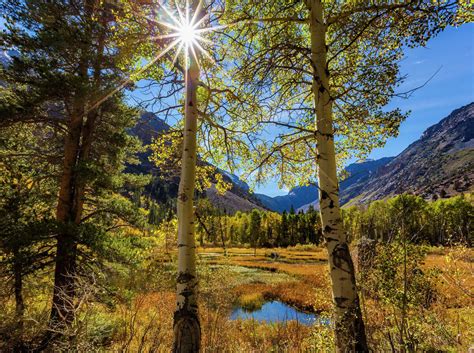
187	30
186	33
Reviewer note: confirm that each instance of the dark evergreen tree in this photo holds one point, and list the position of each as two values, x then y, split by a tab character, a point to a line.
26	222
282	238
255	228
63	73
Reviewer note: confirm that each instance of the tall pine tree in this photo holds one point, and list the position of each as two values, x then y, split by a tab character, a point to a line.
63	74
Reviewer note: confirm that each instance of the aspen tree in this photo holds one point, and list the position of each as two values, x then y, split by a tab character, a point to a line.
186	325
326	70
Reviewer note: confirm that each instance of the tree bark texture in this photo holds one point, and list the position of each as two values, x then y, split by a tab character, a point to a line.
77	147
62	310
186	325
349	326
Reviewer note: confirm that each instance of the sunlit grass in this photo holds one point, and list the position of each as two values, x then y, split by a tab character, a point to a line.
142	318
251	301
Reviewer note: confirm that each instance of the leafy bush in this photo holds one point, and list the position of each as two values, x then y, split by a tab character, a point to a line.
405	294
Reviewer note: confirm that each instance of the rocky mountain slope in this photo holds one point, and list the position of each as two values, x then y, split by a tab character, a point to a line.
237	198
439	164
303	196
355	180
232	201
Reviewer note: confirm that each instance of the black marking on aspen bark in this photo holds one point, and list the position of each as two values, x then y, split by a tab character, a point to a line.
324	134
327	229
181	245
179	313
342	259
331	204
328	239
327	72
324	195
340	301
187	330
186	294
182	197
190	103
184	277
321	89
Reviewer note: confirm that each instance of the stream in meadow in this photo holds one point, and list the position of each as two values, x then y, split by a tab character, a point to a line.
276	311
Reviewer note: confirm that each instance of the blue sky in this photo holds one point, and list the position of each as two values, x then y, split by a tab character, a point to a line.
452	51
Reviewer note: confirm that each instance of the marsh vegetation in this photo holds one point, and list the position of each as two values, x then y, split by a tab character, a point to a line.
119	119
130	308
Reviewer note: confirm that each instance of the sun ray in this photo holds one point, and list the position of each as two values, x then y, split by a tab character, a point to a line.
187	12
205	40
200	21
204	51
195	16
129	79
162	23
178	51
170	15
165	36
180	14
169	25
211	29
193	51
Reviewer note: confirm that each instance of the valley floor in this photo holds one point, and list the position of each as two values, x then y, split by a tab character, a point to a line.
135	313
298	276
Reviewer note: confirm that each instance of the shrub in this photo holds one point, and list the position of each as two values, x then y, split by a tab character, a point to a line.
251	301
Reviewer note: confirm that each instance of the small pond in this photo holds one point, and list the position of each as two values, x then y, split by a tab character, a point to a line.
275	311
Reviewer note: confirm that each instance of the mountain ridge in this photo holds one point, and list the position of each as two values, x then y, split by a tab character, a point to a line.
238	198
439	164
300	198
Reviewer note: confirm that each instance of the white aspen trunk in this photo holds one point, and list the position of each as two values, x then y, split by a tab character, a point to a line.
349	326
186	325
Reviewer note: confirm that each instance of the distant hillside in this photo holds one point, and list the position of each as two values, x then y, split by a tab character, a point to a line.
297	197
439	164
237	198
354	183
231	201
303	196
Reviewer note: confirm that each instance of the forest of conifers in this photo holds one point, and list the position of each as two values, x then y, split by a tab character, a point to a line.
108	242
